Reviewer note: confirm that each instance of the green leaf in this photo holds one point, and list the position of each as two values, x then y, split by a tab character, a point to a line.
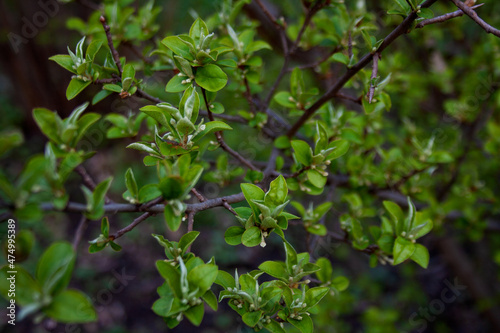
173	220
386	243
176	45
149	192
274	327
71	306
202	277
277	193
171	275
195	314
162	306
425	13
175	84
100	96
105	227
128	76
340	283
440	157
397	216
64	61
251	237
131	184
210	298
113	88
213	126
340	148
48	122
316	178
305	325
92	49
27	289
326	271
410	219
274	269
284	98
98	199
225	280
75	87
54	268
291	256
340	57
403	250
232	236
188	239
171	187
421	255
315	295
252	318
198	28
211	77
84	124
257	46
303	152
252	192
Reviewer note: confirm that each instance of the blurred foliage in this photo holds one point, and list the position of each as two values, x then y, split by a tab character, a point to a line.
364	178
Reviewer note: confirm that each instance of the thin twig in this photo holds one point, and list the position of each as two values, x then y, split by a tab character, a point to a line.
269	15
154	202
131	226
445	17
473	15
228	207
145	95
116	56
79	232
88	181
198	195
371	91
221	141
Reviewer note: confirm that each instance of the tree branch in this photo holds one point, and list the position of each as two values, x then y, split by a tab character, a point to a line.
116	56
444	18
473	15
131	226
221	141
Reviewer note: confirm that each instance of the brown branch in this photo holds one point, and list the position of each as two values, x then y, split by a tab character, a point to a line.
229	208
88	181
116	56
444	18
131	226
269	15
397	32
473	15
145	95
198	195
371	91
221	141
